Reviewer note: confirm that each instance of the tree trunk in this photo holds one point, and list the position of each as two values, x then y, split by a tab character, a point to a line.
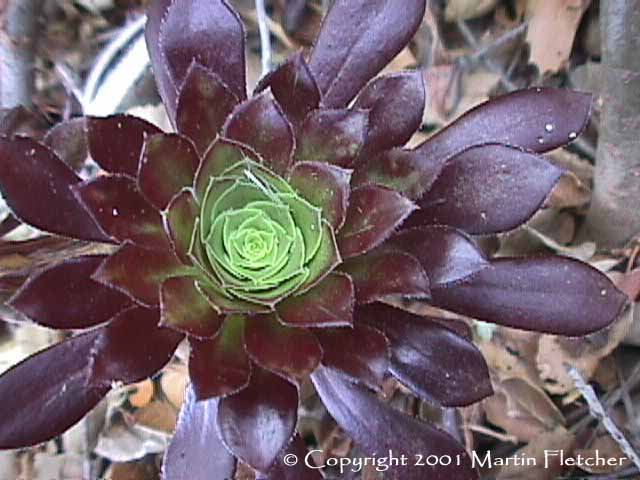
614	216
18	26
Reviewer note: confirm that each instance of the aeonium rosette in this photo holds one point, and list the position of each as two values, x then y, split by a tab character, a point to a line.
273	232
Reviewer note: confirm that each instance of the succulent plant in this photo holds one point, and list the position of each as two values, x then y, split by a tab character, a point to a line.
274	232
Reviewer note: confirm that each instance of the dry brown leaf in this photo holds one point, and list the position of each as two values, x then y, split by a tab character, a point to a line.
603	447
142	393
158	415
511	353
522	409
577	165
440	82
583	251
544	465
629	283
405	59
133	471
584	353
552	28
467	9
569	192
174	382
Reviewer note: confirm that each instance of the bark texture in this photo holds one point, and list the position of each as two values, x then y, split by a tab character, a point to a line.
614	216
18	26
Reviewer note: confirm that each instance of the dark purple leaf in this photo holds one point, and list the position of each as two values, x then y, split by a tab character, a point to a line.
325	186
406	171
220	366
436	364
119	208
268	404
132	347
47	393
139	272
260	124
396	104
488	189
64	296
294	87
546	294
332	136
196	451
168	164
115	143
377	428
374	214
291	352
68	140
222	154
203	106
358	38
209	31
48	203
382	273
184	309
179	223
446	254
361	353
328	304
281	470
538	119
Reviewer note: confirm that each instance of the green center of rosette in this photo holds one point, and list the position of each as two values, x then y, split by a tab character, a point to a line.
260	240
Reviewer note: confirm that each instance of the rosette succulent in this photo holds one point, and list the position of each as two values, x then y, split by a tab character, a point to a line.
275	232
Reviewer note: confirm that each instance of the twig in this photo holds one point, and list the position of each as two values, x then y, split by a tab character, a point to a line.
484	52
598	411
265	39
492	433
18	24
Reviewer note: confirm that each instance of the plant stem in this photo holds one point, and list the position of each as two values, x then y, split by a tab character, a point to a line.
613	218
18	24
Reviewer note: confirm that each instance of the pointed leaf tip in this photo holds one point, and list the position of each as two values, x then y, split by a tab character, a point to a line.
554	295
48	203
204	103
332	136
219	366
358	38
374	214
487	189
132	347
294	88
437	364
196	452
396	103
117	205
209	30
47	393
115	142
292	352
376	427
260	124
268	404
167	165
65	297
